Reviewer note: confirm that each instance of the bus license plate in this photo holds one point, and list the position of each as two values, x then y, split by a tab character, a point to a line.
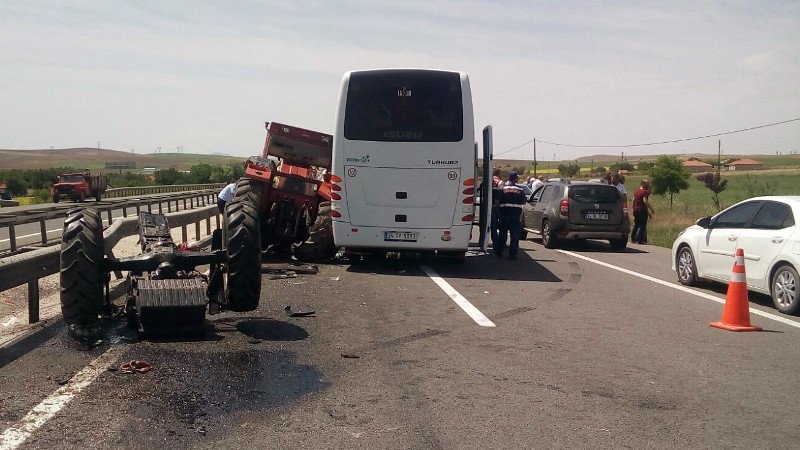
596	216
401	236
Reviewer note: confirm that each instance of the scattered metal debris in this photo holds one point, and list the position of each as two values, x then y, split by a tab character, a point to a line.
290	313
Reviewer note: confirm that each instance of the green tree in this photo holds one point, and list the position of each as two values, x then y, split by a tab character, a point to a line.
16	186
616	167
201	173
715	183
644	166
668	176
568	170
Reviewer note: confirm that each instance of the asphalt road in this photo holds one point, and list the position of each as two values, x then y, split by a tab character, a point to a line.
588	349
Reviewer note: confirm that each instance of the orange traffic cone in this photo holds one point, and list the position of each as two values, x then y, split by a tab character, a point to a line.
736	314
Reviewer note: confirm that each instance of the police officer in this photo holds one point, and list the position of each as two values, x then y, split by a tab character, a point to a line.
512	197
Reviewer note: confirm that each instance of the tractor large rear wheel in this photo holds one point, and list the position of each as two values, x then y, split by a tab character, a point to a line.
82	273
319	246
243	243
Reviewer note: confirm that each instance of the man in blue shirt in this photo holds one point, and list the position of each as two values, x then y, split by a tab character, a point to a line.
511	199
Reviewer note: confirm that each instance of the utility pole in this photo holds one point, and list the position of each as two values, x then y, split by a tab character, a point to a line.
534	157
719	156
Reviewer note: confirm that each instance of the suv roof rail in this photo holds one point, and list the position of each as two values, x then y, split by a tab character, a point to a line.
558	180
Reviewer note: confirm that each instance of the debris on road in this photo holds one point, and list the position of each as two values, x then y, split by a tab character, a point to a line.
350	355
135	366
290	313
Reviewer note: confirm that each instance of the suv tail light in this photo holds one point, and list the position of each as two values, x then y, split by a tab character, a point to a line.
625	208
564	209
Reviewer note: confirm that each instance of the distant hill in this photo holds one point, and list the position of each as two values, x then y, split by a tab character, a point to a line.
770	161
96	159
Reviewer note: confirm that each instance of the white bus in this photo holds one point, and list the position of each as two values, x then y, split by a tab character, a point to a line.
404	162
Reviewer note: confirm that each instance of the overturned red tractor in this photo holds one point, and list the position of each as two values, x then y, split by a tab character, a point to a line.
288	186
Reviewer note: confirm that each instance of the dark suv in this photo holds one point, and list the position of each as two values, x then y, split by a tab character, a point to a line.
577	210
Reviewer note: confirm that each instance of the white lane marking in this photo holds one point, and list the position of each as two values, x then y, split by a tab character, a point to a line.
468	307
14	436
679	287
31	235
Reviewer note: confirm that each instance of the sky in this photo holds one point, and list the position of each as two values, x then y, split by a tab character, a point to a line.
594	77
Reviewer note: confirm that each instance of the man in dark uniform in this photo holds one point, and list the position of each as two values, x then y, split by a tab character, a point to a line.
511	199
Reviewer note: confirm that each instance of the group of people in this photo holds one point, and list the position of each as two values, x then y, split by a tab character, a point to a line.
508	200
642	209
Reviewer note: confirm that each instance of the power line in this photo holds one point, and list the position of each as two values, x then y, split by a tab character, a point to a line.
650	143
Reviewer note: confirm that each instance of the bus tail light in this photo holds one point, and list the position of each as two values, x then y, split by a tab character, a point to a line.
337	194
564	209
469	196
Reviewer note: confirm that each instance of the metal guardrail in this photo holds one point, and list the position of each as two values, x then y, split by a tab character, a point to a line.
41	215
29	267
149	190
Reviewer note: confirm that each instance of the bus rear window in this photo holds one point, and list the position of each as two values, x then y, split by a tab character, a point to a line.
404	106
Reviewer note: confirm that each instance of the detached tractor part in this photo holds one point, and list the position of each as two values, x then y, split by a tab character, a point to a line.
290	193
166	292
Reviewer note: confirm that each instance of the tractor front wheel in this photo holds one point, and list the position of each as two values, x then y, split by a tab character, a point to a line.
82	274
243	243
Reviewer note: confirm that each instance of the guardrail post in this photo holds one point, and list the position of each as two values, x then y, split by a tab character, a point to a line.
43	228
109	215
12	237
33	301
208	226
184	203
197	231
160	205
184	234
125	210
169	206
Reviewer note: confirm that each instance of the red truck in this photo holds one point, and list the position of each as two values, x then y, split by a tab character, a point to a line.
76	185
288	187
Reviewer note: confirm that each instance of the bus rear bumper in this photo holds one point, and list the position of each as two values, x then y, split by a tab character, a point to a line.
455	238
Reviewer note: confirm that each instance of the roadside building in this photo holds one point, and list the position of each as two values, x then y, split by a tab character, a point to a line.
694	165
745	164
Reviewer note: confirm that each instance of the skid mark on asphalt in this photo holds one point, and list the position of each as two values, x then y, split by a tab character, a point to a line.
679	287
409	338
558	293
462	302
510	313
15	435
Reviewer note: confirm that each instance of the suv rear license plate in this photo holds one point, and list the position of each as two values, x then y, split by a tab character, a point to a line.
596	215
401	236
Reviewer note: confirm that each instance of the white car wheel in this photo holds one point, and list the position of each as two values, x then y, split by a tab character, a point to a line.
686	267
784	290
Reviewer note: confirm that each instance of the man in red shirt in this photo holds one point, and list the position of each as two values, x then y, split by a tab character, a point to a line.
642	210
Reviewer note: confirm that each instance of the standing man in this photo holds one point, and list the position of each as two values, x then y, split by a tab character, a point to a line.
226	195
642	210
616	180
512	197
537	183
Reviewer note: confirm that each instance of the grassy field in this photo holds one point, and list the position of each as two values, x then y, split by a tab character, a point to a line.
697	201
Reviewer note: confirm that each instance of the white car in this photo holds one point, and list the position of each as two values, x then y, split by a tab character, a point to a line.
764	227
